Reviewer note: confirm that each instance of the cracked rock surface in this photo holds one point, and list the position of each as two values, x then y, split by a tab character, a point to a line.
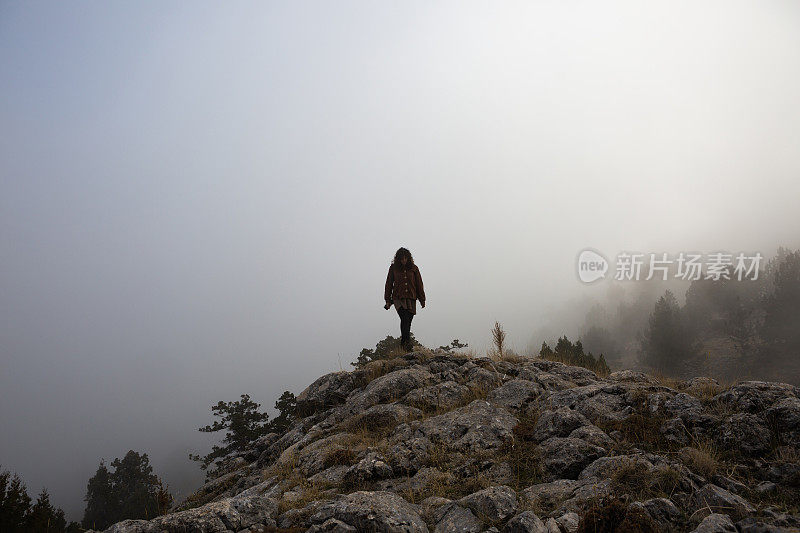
440	442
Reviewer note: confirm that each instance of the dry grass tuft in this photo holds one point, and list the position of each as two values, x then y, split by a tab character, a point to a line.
641	429
635	478
308	492
612	515
380	367
499	340
668	381
702	459
786	454
339	456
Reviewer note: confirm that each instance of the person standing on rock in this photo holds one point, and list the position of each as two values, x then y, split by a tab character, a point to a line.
403	289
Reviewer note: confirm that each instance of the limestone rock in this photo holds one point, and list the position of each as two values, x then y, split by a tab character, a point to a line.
383	512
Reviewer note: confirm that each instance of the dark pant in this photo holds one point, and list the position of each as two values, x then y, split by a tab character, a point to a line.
405	326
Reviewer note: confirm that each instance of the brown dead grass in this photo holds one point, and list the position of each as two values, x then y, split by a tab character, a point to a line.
380	367
633	477
702	459
612	515
667	381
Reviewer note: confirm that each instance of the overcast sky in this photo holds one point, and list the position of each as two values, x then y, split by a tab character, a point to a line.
200	200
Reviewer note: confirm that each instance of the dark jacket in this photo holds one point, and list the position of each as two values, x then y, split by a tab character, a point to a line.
403	283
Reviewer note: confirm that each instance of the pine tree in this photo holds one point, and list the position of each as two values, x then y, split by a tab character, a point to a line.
286	406
667	343
131	490
15	504
101	505
135	486
243	423
44	518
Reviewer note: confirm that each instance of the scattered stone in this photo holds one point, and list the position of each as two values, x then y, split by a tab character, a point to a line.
746	433
674	431
495	503
716	523
525	522
632	376
593	435
568	522
327	391
383	512
370	468
757	396
558	423
565	458
516	394
453	518
717	499
332	526
766	487
661	510
442	396
477	426
785	414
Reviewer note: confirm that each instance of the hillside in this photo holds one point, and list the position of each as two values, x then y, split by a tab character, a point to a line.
447	443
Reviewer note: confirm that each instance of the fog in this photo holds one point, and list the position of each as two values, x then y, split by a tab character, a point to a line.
200	200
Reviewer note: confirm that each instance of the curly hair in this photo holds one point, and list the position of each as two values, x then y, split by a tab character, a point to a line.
398	256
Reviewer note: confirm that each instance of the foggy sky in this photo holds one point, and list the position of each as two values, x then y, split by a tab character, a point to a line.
200	200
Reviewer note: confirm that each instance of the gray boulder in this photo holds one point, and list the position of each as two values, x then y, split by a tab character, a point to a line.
494	503
757	396
526	522
565	458
568	522
327	391
746	433
785	415
593	435
477	426
558	423
516	394
332	526
662	510
371	467
597	401
452	518
380	512
216	517
390	387
675	431
550	495
717	499
716	523
442	396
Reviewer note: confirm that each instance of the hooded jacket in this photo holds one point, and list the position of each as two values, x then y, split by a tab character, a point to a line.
404	283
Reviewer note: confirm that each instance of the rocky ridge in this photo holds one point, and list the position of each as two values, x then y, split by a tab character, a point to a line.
442	442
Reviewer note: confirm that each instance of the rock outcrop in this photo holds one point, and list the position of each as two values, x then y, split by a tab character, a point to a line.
446	443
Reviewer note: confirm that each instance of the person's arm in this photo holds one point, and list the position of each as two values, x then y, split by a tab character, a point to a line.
420	287
387	291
